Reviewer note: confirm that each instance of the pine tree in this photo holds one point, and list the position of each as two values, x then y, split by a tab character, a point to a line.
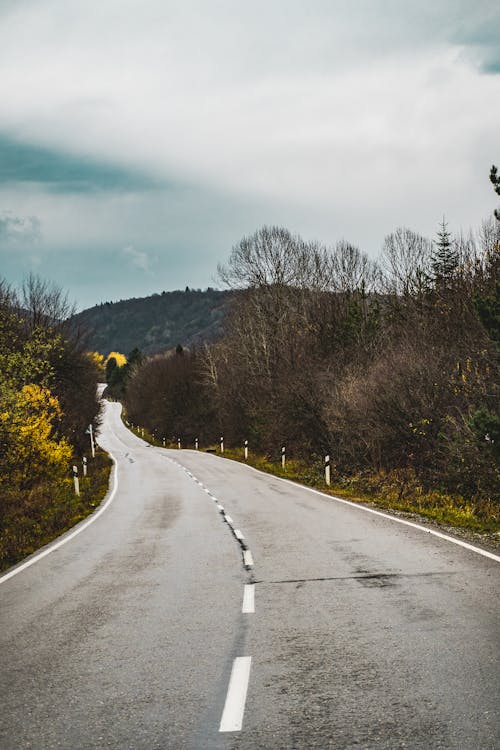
444	259
495	179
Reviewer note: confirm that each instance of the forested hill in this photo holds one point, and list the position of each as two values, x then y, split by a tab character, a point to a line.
156	323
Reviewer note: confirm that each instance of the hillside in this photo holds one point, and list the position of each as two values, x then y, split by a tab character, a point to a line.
155	323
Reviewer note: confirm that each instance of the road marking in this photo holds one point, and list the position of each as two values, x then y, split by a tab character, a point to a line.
247	558
387	516
56	545
234	707
248	607
247	555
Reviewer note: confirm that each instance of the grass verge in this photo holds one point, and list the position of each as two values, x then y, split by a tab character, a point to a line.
29	519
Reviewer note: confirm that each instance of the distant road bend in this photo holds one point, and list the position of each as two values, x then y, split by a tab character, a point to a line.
211	606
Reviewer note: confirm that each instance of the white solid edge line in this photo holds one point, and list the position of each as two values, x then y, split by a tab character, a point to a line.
247	558
234	707
413	525
248	607
56	545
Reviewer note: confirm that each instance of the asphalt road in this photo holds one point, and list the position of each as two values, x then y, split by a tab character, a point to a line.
146	630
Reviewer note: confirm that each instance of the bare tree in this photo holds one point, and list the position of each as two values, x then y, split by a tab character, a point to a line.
45	303
405	262
351	269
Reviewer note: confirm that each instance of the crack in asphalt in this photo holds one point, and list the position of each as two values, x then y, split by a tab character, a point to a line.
368	576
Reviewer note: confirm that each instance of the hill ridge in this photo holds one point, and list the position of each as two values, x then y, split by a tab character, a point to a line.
157	322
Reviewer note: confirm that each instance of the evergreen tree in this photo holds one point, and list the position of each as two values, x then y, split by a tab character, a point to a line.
111	366
444	259
495	179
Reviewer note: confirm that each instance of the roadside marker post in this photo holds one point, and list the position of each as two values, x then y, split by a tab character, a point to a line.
196	444
222	445
283	458
179	443
246	449
84	466
90	431
163	442
75	479
327	470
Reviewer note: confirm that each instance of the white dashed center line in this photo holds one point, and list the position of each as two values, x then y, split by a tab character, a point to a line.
248	607
234	707
247	558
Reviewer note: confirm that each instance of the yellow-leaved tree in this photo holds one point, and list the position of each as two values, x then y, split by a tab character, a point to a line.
31	448
119	358
98	360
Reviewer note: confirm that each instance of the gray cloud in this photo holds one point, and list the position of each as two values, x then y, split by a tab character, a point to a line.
63	172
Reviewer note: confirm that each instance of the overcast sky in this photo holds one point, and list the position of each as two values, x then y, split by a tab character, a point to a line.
141	139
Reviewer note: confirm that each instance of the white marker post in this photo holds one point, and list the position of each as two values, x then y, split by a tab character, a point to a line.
196	444
246	449
179	443
84	466
222	445
283	458
75	479
163	442
327	470
92	445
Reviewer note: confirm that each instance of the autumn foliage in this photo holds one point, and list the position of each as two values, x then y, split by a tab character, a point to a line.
47	400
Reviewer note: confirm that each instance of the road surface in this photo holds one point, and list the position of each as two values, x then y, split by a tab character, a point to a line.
158	626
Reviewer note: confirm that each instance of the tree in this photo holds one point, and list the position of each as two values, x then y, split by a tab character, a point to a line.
405	262
495	179
444	259
111	365
40	346
32	450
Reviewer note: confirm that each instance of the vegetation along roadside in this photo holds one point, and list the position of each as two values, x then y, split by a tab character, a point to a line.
389	366
393	492
48	400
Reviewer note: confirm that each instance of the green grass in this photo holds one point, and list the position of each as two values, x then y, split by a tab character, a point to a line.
29	519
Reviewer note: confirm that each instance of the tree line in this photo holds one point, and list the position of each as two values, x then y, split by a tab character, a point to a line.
48	399
389	366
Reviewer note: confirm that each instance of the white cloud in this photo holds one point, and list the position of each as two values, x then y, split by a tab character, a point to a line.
138	259
22	230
